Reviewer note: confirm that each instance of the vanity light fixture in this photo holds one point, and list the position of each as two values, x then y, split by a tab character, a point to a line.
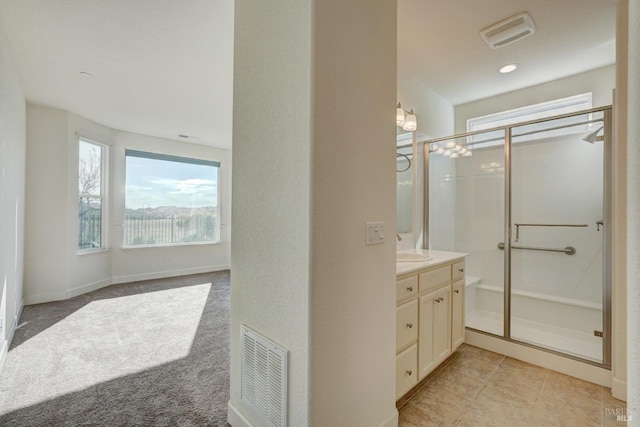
505	69
406	119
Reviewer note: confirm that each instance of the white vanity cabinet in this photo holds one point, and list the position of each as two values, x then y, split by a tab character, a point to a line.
429	320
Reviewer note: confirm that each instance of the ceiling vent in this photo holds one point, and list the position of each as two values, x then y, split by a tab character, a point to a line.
509	30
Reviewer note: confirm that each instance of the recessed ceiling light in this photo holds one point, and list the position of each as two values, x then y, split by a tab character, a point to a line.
85	74
508	68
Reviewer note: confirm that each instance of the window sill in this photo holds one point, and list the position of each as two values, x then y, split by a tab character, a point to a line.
94	251
172	245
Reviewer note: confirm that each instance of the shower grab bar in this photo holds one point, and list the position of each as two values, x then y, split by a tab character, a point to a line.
544	225
569	250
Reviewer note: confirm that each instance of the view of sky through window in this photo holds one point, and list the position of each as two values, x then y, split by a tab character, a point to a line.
152	183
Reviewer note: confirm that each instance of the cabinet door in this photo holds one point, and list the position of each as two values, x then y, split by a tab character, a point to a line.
426	362
442	325
457	315
434	334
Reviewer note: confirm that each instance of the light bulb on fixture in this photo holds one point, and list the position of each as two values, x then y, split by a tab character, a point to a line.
410	122
399	115
467	154
406	119
450	144
440	150
455	155
448	153
434	146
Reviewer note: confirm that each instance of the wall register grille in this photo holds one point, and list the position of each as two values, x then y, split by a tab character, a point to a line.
264	377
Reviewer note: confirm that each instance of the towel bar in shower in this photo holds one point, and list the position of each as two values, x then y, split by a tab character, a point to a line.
544	225
569	250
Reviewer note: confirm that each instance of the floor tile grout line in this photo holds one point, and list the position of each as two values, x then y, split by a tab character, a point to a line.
544	383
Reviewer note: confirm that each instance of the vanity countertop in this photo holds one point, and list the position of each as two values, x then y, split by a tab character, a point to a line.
437	257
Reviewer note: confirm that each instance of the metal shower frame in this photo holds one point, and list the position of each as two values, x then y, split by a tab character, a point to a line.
607	121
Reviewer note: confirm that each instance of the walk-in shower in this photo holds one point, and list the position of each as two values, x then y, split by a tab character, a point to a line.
530	204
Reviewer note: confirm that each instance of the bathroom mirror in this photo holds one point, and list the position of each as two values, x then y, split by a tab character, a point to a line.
405	167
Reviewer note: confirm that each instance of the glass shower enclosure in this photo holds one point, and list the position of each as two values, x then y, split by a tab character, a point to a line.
530	204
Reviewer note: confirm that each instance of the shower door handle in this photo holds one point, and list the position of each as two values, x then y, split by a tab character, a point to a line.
599	224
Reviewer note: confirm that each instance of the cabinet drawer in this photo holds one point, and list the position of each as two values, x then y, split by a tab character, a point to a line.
406	370
406	288
435	278
458	270
406	324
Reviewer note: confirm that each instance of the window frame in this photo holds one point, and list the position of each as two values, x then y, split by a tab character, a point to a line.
103	196
542	110
130	152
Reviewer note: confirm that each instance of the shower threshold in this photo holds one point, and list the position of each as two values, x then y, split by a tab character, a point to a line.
570	342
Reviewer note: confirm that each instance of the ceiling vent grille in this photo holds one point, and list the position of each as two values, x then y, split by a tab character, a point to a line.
264	377
509	30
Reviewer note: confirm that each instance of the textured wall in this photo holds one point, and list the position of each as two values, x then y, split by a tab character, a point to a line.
633	203
12	188
314	98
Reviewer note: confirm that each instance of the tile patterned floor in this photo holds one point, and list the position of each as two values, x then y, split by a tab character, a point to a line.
480	388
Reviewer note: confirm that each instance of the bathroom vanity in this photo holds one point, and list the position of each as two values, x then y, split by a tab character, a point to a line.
429	313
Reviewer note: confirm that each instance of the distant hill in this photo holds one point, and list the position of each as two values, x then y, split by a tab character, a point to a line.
169	211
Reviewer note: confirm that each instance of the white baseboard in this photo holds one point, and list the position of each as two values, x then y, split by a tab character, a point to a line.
236	418
4	348
45	297
392	421
167	273
574	368
619	389
80	290
87	288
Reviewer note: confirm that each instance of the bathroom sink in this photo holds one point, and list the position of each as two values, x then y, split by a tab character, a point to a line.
412	257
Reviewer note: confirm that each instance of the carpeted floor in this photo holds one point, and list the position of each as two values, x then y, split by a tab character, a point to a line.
152	353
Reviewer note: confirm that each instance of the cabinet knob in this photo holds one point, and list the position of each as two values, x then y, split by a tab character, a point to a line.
409	325
461	270
438	300
410	288
457	291
408	372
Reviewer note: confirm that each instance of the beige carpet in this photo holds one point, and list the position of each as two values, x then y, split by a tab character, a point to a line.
152	353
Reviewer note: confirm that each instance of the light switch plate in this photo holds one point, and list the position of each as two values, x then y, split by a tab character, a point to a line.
375	233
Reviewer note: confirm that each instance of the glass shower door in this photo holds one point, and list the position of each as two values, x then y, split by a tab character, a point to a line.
466	214
557	235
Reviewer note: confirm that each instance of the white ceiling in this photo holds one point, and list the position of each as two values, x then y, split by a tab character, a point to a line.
439	43
160	67
165	67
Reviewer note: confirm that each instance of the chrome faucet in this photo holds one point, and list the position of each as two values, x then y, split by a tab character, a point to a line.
399	238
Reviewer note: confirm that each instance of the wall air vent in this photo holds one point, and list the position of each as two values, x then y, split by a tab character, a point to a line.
509	30
263	377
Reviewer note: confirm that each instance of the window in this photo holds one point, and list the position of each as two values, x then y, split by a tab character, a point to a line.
170	200
555	107
91	187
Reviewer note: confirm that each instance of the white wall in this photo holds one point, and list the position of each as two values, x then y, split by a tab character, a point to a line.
53	268
600	81
145	263
619	210
435	117
435	114
633	202
313	162
46	222
12	189
270	256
